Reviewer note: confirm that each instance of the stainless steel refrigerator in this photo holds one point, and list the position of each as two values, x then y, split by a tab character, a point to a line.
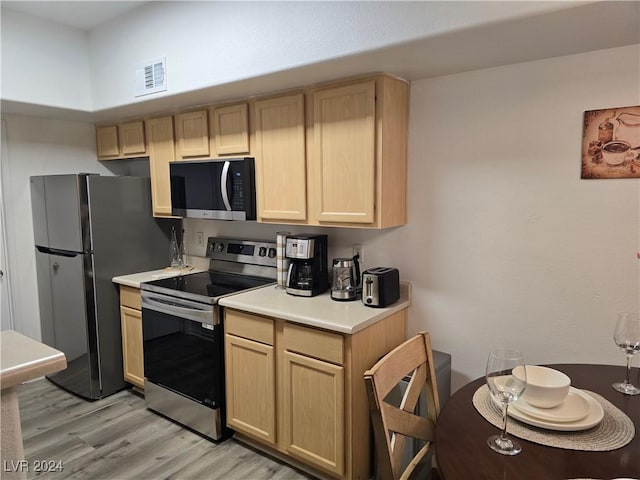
89	228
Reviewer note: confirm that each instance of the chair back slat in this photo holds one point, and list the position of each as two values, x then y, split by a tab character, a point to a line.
416	461
394	425
392	368
399	421
414	388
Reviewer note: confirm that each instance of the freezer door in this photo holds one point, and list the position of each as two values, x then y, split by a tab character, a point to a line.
60	212
39	208
67	315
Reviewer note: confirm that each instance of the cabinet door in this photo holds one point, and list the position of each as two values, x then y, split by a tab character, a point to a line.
313	408
132	139
250	386
161	152
193	134
281	158
344	162
107	142
230	129
133	359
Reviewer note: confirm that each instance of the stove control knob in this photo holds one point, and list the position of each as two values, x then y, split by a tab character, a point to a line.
210	247
272	252
262	252
220	247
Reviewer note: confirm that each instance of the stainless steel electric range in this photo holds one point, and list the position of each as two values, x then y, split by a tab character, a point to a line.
183	333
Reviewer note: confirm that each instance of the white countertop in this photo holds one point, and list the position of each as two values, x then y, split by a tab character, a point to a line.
135	279
23	359
319	311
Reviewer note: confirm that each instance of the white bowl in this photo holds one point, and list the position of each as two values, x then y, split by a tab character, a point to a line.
546	387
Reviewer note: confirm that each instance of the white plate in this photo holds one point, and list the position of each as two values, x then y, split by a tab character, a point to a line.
593	418
573	408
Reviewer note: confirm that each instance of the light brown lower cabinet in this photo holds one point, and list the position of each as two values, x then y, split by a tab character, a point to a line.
131	324
298	392
251	395
313	408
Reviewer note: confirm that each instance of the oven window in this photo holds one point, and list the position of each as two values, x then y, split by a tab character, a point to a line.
183	356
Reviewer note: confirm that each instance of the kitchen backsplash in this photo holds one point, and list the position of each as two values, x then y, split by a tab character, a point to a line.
340	239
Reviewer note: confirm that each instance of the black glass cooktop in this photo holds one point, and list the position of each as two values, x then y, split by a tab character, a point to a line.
205	284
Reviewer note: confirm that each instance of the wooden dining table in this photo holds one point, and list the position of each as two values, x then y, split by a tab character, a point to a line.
463	454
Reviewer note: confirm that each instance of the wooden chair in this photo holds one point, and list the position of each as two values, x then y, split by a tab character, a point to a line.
393	426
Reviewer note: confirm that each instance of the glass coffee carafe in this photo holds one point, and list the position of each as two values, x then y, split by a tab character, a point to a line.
305	275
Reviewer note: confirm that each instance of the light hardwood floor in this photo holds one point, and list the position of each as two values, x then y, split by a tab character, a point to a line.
118	438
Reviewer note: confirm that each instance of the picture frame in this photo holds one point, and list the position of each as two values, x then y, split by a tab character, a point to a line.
611	143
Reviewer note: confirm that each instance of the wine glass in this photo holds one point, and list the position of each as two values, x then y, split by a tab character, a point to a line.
506	388
627	336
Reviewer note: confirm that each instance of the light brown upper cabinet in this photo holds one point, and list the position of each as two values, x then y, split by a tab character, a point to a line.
358	158
229	130
132	138
281	158
161	151
192	132
333	154
107	142
124	140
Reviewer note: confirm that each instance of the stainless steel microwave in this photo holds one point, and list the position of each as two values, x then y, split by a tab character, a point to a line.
217	189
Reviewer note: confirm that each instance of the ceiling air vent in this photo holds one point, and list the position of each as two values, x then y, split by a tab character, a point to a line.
151	77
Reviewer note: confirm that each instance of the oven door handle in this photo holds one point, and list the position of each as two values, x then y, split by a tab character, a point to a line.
202	314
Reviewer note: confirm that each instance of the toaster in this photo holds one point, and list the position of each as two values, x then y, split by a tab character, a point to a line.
380	286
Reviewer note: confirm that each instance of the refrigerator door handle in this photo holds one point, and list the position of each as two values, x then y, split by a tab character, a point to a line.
55	251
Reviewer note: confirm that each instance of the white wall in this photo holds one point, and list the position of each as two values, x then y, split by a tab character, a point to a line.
36	146
516	245
214	43
505	242
44	63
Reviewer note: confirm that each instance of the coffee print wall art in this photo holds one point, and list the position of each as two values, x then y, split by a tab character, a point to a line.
611	143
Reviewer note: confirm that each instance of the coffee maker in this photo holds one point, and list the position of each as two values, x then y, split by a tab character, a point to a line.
308	273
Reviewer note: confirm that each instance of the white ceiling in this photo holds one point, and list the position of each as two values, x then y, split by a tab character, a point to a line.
81	15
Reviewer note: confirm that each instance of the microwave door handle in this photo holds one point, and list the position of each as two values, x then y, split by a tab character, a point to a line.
223	185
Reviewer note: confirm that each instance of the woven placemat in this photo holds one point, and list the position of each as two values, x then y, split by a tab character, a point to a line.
615	430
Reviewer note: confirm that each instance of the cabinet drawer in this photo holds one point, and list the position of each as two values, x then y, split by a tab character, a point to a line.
247	325
314	343
130	297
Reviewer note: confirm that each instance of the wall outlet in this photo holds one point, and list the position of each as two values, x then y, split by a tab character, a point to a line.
358	250
200	239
